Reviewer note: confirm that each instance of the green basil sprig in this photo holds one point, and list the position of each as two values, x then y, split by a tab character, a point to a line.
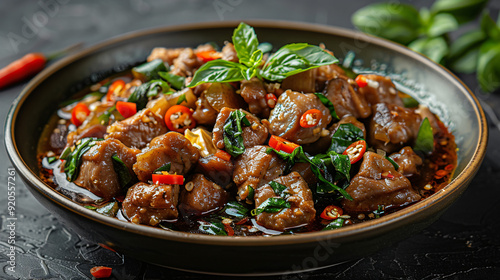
288	60
141	94
235	209
425	138
215	228
279	189
328	104
345	135
335	224
122	171
73	157
271	205
149	70
328	168
177	82
233	132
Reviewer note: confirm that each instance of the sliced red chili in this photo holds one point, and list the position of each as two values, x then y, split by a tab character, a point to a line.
331	212
179	118
79	114
281	144
206	56
361	81
229	229
126	109
271	100
387	175
223	155
355	151
101	271
114	89
168	179
310	118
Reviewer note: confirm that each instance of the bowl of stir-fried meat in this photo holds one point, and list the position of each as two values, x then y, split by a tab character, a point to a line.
246	149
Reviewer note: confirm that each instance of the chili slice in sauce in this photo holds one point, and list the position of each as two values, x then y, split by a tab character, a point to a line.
101	271
355	151
179	118
114	89
126	109
310	118
331	212
223	155
79	114
168	179
280	144
361	81
207	56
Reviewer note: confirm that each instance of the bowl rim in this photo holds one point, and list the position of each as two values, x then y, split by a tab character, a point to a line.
367	227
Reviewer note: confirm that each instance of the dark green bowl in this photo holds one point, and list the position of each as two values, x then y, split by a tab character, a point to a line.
431	83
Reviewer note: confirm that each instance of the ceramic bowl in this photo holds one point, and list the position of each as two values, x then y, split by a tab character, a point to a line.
431	84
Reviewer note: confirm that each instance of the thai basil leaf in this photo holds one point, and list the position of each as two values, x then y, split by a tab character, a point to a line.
396	166
218	71
292	59
165	167
342	165
149	70
271	205
462	10
488	66
175	81
335	224
425	138
233	132
255	60
394	21
328	104
181	99
51	159
465	43
245	43
345	135
212	228
434	48
235	209
90	207
279	189
73	159
251	192
141	94
489	27
106	115
122	171
265	47
441	24
109	209
410	102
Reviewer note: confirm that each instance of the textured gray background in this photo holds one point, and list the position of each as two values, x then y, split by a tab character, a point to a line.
463	244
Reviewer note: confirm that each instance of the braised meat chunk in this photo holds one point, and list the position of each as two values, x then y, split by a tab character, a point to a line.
172	148
380	89
346	100
255	134
138	130
254	93
255	168
97	173
186	63
150	204
297	193
408	162
285	117
200	195
392	127
218	170
204	113
378	183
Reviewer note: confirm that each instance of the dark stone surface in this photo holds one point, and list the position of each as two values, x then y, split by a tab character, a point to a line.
463	244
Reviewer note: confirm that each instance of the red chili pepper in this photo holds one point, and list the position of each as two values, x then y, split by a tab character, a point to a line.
387	175
114	89
271	100
168	179
101	271
79	114
179	118
206	56
106	247
28	66
331	212
355	151
229	230
310	118
223	155
22	68
281	144
126	109
242	221
361	81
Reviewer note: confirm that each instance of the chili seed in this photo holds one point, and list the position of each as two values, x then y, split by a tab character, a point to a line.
428	187
361	216
189	186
